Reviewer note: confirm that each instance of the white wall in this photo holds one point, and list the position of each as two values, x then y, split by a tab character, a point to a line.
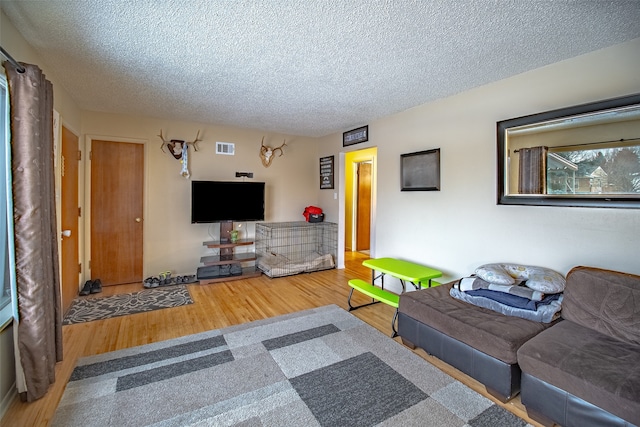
461	226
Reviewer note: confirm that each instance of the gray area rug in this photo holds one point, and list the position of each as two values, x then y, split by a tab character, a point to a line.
321	367
89	309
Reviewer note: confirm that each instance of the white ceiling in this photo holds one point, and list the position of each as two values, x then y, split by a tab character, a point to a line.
302	67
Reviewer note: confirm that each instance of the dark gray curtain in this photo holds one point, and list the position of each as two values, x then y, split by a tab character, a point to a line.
36	245
532	176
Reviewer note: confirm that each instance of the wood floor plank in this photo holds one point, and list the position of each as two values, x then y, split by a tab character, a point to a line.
217	306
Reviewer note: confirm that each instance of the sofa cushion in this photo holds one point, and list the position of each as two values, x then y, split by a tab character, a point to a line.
592	366
492	333
605	301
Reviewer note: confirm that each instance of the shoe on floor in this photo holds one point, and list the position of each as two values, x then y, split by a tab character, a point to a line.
96	286
86	289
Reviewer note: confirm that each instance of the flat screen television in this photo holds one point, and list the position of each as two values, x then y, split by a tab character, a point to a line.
220	201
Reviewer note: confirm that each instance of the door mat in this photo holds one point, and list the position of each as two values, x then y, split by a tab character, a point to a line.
90	309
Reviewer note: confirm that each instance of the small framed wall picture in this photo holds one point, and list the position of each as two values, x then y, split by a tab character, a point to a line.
420	171
326	173
355	136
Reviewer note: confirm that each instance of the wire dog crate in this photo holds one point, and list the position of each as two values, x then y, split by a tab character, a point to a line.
286	248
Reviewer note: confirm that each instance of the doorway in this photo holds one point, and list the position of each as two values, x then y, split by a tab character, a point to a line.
69	217
117	182
363	206
359	207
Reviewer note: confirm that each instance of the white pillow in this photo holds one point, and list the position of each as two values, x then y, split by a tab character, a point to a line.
537	278
494	273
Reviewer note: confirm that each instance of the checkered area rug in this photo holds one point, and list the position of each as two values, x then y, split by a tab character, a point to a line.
88	309
321	367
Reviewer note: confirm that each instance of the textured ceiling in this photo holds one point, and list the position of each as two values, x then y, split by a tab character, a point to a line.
299	67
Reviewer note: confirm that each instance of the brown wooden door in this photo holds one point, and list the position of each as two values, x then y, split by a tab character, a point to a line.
69	218
117	178
363	216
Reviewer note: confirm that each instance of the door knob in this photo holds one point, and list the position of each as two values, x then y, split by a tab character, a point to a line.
138	219
66	233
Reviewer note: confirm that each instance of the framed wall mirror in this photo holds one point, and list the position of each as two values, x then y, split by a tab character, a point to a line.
587	155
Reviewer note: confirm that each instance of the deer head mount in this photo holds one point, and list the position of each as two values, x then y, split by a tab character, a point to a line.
267	153
175	146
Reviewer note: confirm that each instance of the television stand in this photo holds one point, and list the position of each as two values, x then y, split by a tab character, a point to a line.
217	268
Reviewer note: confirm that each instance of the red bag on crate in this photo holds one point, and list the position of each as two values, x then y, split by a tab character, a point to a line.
313	214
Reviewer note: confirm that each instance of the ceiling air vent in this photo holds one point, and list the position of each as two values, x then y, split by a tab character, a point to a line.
227	148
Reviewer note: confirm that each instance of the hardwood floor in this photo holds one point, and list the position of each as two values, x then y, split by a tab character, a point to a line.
217	306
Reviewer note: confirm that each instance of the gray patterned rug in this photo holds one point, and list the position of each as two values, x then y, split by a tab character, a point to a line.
89	309
321	367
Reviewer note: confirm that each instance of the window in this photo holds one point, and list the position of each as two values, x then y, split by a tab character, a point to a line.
8	309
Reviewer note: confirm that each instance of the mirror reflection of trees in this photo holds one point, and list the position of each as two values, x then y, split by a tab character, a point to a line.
597	171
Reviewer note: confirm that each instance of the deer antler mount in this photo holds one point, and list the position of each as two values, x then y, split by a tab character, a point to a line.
267	153
175	146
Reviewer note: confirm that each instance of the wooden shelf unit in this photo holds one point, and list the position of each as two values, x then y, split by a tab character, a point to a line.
228	256
228	259
227	244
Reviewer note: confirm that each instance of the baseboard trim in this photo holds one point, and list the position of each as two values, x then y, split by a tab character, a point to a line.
8	399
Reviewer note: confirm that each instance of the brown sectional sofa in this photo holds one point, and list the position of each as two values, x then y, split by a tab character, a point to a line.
478	341
583	370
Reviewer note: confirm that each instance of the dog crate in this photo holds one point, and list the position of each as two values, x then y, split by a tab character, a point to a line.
286	248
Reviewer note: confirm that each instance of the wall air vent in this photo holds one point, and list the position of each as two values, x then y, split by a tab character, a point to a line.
227	148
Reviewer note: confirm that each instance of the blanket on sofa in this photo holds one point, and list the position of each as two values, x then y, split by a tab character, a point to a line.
546	313
514	300
475	283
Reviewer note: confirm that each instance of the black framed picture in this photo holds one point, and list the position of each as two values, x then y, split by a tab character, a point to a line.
355	136
420	171
326	173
